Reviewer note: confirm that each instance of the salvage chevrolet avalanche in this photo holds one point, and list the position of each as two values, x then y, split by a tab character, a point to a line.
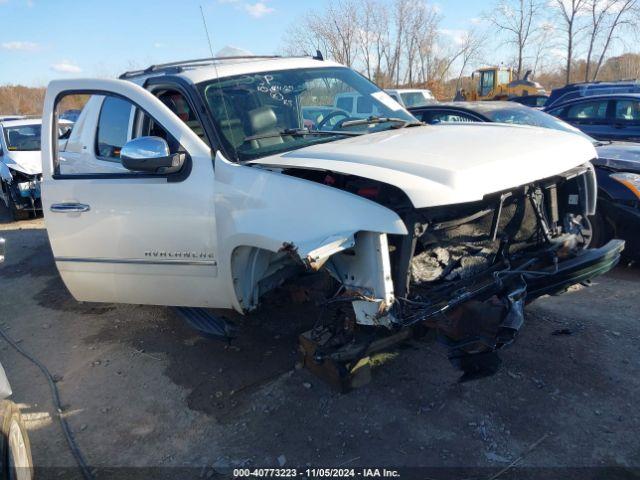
201	184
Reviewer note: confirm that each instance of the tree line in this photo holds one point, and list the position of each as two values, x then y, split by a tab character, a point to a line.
403	42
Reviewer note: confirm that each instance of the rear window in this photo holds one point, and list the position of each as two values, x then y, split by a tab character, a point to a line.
364	105
345	103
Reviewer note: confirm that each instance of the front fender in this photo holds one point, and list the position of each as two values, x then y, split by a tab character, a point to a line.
274	212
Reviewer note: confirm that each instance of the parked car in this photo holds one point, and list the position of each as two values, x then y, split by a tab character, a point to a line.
412	97
5	118
534	101
21	165
603	117
215	200
575	91
617	166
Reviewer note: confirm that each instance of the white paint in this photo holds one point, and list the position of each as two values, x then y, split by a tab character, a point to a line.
447	164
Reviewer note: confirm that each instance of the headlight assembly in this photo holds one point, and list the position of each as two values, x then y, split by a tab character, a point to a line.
629	180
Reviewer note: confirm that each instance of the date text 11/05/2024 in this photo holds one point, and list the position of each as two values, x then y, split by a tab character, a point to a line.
315	473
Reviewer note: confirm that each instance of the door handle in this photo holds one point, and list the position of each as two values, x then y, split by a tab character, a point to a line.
69	207
618	126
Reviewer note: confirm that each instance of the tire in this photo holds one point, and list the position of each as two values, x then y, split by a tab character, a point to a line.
16	213
15	448
599	232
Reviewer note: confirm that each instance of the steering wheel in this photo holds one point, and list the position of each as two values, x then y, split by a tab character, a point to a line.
332	115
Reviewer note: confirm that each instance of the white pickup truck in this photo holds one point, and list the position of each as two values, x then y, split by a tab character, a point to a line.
198	184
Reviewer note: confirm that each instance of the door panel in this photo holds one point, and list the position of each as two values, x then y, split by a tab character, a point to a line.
144	238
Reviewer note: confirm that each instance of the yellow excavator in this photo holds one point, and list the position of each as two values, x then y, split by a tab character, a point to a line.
499	83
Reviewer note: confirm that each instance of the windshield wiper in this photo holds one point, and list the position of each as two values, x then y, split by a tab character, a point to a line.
374	119
299	132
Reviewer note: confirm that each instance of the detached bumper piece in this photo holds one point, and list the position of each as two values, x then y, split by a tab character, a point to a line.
474	318
479	322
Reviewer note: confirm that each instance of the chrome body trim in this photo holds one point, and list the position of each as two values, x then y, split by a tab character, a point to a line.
135	261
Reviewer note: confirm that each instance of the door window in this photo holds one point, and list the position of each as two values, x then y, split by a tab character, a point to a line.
628	110
114	127
592	110
486	82
179	105
104	125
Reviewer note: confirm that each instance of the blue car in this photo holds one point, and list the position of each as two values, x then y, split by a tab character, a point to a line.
603	117
580	90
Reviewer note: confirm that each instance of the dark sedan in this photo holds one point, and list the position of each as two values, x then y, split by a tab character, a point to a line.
617	168
604	117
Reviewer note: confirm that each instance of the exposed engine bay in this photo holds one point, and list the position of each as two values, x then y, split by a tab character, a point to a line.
463	271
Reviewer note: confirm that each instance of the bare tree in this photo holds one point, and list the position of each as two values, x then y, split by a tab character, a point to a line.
542	42
334	32
471	47
519	20
608	17
569	11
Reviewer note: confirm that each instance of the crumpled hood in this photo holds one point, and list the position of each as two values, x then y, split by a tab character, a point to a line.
25	162
447	164
623	156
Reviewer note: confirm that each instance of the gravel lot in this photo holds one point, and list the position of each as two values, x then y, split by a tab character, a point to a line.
141	389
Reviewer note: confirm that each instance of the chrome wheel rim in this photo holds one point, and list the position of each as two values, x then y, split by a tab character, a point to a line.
19	467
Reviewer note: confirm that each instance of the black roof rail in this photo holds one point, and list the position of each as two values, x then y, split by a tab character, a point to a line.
597	82
178	66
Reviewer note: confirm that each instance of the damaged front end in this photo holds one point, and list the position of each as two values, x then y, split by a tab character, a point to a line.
464	271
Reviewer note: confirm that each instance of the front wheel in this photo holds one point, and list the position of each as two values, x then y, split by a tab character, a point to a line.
16	213
17	463
599	233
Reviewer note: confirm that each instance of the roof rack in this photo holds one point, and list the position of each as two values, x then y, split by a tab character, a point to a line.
199	62
178	66
597	82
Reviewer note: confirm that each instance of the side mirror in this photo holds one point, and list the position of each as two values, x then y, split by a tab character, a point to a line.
150	154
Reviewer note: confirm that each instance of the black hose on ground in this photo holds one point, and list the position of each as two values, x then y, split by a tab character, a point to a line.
73	446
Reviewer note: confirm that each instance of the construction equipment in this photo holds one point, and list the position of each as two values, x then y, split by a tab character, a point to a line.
500	83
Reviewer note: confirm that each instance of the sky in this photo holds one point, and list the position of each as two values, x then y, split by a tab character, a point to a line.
45	39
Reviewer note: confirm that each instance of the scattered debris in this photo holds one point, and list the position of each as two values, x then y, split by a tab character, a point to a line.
562	331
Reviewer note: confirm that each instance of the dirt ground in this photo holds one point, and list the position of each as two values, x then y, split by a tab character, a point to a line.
142	389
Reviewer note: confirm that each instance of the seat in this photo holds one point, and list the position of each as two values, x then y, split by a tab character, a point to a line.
263	121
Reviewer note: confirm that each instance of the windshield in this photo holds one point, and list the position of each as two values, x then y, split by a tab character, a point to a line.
530	116
23	138
416	99
265	113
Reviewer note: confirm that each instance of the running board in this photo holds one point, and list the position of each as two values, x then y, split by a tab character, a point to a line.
208	324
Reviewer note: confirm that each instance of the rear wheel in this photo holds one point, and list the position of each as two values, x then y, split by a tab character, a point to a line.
17	463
